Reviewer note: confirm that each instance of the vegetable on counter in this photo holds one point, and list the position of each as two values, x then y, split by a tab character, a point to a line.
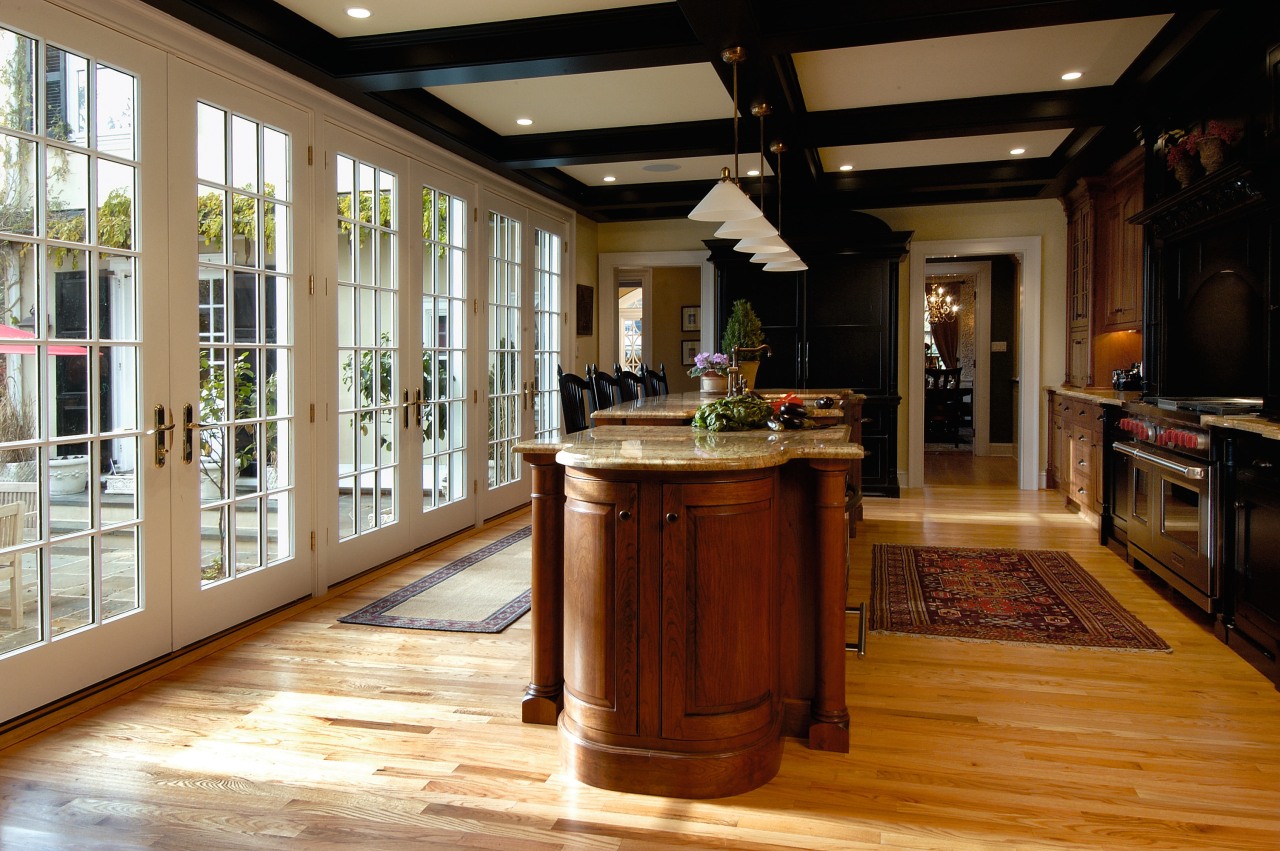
734	413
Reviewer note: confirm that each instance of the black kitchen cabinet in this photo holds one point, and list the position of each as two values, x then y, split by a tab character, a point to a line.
834	325
1251	622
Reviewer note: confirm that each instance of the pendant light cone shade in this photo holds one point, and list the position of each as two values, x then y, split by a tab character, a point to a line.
762	245
747	228
796	265
724	203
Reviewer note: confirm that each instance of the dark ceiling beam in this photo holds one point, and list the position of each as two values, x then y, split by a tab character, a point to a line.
587	42
869	125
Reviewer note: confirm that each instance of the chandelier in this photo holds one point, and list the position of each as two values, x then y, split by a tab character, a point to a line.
939	307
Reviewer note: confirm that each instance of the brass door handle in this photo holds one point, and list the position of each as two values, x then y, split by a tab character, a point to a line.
160	431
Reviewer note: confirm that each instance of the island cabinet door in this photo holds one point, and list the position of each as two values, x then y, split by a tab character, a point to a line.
719	605
601	621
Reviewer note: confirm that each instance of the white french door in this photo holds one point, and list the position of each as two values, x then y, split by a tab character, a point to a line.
523	333
240	311
84	539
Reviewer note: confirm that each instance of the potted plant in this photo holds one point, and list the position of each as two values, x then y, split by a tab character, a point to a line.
1212	144
711	368
743	330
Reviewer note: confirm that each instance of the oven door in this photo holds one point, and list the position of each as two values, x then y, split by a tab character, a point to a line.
1170	522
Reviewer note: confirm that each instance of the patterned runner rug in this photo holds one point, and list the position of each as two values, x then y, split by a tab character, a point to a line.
1027	596
484	591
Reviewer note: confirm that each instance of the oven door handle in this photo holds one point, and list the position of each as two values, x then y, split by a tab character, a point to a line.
1181	469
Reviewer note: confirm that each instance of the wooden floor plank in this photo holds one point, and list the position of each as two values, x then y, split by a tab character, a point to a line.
314	734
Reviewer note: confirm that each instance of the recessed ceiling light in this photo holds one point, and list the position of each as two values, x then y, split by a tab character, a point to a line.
846	167
358	12
1072	75
609	178
755	172
1018	151
524	122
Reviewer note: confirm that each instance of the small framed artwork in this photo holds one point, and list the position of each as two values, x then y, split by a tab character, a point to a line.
691	318
688	352
586	310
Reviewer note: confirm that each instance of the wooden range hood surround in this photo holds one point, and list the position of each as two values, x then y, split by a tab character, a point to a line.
1205	314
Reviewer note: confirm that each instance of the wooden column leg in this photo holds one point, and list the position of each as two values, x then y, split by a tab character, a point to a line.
829	728
544	697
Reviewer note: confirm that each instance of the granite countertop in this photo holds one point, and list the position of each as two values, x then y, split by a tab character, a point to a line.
682	448
1256	425
1098	395
676	405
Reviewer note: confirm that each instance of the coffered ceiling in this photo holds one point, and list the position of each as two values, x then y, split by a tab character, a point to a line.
919	101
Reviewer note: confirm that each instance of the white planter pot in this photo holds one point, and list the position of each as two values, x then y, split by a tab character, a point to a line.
68	474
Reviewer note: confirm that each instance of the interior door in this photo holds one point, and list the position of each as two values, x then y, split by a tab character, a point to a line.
85	529
241	314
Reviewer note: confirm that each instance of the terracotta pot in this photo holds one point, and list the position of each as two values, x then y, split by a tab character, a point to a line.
749	368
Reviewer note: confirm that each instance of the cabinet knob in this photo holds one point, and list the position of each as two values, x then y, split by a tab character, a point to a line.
672	517
624	515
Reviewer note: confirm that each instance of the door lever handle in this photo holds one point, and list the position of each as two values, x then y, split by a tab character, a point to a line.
160	432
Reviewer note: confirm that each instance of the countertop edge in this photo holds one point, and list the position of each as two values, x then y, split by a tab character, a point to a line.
1097	395
1254	425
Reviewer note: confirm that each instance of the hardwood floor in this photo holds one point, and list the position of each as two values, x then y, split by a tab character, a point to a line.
313	734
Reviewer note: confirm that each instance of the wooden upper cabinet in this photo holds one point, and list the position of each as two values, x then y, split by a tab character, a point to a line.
1119	256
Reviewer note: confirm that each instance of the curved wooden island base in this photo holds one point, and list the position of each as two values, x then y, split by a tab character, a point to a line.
698	583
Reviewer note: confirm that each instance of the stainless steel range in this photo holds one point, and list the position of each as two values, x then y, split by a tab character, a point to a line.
1165	501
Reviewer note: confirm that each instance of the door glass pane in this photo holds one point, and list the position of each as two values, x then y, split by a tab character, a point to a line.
546	328
444	341
368	388
504	348
69	347
245	328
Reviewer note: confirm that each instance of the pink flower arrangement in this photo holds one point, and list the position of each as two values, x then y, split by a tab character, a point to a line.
1183	148
1225	132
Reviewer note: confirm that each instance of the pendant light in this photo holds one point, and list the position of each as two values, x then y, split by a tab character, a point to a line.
782	263
726	202
770	243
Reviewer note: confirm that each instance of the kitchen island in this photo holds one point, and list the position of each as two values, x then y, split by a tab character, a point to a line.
688	602
679	408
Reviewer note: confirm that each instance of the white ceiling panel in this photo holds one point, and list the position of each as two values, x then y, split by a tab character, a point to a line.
973	65
592	101
668	171
389	16
961	149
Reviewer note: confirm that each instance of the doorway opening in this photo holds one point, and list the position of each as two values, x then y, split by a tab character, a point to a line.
1021	336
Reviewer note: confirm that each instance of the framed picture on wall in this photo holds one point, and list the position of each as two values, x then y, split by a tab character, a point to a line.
688	352
586	309
691	318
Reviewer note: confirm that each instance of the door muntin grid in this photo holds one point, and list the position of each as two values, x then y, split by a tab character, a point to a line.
444	340
244	418
368	343
70	340
505	371
547	324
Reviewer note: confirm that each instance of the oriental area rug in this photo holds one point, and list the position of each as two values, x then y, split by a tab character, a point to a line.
1005	595
483	591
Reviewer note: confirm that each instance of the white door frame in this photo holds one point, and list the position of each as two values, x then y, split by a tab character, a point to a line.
1029	251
